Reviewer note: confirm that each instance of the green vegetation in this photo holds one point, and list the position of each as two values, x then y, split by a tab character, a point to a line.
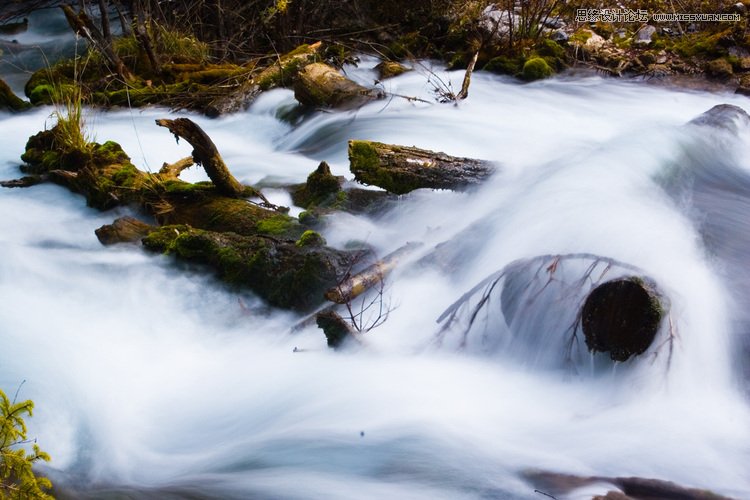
17	479
536	69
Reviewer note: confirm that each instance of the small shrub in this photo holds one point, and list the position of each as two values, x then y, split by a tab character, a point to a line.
17	479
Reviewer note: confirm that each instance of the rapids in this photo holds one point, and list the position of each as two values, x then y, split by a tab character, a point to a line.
153	380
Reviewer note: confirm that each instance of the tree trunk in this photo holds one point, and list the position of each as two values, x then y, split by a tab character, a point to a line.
401	169
356	285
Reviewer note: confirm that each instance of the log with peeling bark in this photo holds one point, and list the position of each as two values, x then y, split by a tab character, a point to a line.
401	169
356	285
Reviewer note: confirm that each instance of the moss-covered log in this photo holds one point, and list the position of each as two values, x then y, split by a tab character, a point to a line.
285	273
621	317
401	169
10	101
322	85
354	286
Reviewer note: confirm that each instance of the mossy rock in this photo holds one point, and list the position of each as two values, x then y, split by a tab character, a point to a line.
389	69
720	69
536	68
310	239
505	65
320	190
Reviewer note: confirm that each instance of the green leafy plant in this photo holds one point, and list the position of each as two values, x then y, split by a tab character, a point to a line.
17	479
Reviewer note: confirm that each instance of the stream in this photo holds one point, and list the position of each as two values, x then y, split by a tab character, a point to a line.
153	380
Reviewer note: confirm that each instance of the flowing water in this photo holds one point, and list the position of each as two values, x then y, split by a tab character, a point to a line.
151	379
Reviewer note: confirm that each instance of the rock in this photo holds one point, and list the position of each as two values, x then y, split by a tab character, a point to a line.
621	317
594	42
720	69
738	52
559	36
321	189
724	116
322	85
739	8
643	36
555	22
123	230
389	69
745	63
536	68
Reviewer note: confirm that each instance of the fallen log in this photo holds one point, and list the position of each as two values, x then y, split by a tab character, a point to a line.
354	286
401	169
319	84
335	328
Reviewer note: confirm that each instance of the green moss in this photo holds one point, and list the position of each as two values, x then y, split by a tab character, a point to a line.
308	219
504	65
363	155
275	225
41	94
310	239
580	37
719	68
550	48
321	188
109	153
536	68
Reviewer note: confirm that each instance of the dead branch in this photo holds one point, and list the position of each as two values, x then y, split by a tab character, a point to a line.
206	155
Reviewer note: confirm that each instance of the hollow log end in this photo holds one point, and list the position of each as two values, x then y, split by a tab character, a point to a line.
621	317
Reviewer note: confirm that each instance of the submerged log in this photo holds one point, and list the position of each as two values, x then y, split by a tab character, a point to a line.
356	285
401	169
322	85
621	317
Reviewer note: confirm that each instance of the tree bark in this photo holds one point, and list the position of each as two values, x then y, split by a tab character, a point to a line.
206	154
356	285
401	169
322	85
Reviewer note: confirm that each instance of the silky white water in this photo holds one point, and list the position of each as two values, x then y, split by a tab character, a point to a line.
151	378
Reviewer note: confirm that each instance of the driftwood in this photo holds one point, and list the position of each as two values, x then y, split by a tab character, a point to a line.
322	85
354	286
401	169
335	328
